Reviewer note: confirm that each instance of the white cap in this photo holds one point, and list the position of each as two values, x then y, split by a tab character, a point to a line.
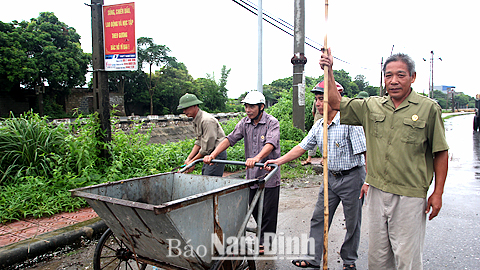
254	97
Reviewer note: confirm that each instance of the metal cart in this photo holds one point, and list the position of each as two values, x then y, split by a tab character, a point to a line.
171	220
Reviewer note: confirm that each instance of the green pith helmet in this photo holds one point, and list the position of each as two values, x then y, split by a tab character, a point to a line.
362	94
188	100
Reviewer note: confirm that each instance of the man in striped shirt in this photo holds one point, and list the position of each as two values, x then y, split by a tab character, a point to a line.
346	174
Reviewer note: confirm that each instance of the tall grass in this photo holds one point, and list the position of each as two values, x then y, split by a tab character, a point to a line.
40	162
27	144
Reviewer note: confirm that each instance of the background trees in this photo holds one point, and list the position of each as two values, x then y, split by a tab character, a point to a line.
42	59
152	54
41	52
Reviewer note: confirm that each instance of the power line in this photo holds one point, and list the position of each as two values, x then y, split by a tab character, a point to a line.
280	24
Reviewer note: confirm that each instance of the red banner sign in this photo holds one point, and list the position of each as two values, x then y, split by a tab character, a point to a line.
119	37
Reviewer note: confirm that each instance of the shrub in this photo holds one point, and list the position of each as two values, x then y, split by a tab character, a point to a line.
27	145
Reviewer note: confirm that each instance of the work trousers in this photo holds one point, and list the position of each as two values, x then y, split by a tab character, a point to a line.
215	169
270	211
396	231
312	153
344	188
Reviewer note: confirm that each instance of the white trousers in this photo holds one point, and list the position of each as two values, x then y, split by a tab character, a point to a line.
396	231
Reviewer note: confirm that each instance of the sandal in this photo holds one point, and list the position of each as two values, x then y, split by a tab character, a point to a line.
349	267
304	264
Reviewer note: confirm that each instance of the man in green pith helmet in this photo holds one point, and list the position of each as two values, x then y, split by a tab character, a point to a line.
208	134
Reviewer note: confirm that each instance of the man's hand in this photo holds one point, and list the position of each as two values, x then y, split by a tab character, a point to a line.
326	59
250	162
364	190
269	168
435	203
208	159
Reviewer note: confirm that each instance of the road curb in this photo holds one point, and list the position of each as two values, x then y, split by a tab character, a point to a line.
31	248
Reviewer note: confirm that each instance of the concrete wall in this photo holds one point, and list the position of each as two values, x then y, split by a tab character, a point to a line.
167	128
82	98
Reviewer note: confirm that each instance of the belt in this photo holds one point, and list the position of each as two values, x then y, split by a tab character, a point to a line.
342	173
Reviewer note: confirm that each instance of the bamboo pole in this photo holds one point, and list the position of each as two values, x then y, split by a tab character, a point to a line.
325	149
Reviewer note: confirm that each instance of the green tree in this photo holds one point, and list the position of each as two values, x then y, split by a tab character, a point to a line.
372	91
43	51
213	94
462	100
361	84
15	66
133	85
170	84
152	54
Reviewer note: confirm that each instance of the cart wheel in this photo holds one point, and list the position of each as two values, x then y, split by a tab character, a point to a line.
111	253
235	265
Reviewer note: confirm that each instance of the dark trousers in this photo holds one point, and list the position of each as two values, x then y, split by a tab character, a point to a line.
215	169
345	189
270	210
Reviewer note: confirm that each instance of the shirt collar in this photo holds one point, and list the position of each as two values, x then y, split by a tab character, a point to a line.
198	117
336	119
413	97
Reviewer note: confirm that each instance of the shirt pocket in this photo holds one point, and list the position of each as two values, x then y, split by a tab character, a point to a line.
377	121
413	131
341	147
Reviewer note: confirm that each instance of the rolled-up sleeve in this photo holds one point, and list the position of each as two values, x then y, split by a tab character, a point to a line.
273	134
237	134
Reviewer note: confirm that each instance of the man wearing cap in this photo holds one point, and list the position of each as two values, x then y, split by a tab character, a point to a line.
261	134
208	133
317	116
346	175
406	149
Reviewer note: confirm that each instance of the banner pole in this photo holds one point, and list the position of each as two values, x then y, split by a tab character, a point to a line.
325	148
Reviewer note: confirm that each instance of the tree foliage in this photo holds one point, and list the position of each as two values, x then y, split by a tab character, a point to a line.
170	84
152	54
42	51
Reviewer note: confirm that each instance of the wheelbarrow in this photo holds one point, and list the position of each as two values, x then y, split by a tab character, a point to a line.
175	220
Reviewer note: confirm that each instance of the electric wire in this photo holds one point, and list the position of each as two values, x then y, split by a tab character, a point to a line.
281	25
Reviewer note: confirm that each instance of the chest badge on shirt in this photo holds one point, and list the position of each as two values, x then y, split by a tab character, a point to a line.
414	117
263	137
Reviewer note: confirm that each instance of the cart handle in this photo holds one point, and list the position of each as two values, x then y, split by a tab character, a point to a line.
234	162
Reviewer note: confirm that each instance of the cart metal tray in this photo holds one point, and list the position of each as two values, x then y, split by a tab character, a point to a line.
159	217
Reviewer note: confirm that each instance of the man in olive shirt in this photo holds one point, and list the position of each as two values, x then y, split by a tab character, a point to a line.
209	134
406	147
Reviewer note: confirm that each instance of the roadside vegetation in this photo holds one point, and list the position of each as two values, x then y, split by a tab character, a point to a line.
41	161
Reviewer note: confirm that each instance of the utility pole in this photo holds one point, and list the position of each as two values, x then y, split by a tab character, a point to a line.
382	91
430	84
299	60
101	98
260	47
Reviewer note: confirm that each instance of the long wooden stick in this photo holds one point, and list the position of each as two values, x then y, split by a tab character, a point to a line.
325	149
